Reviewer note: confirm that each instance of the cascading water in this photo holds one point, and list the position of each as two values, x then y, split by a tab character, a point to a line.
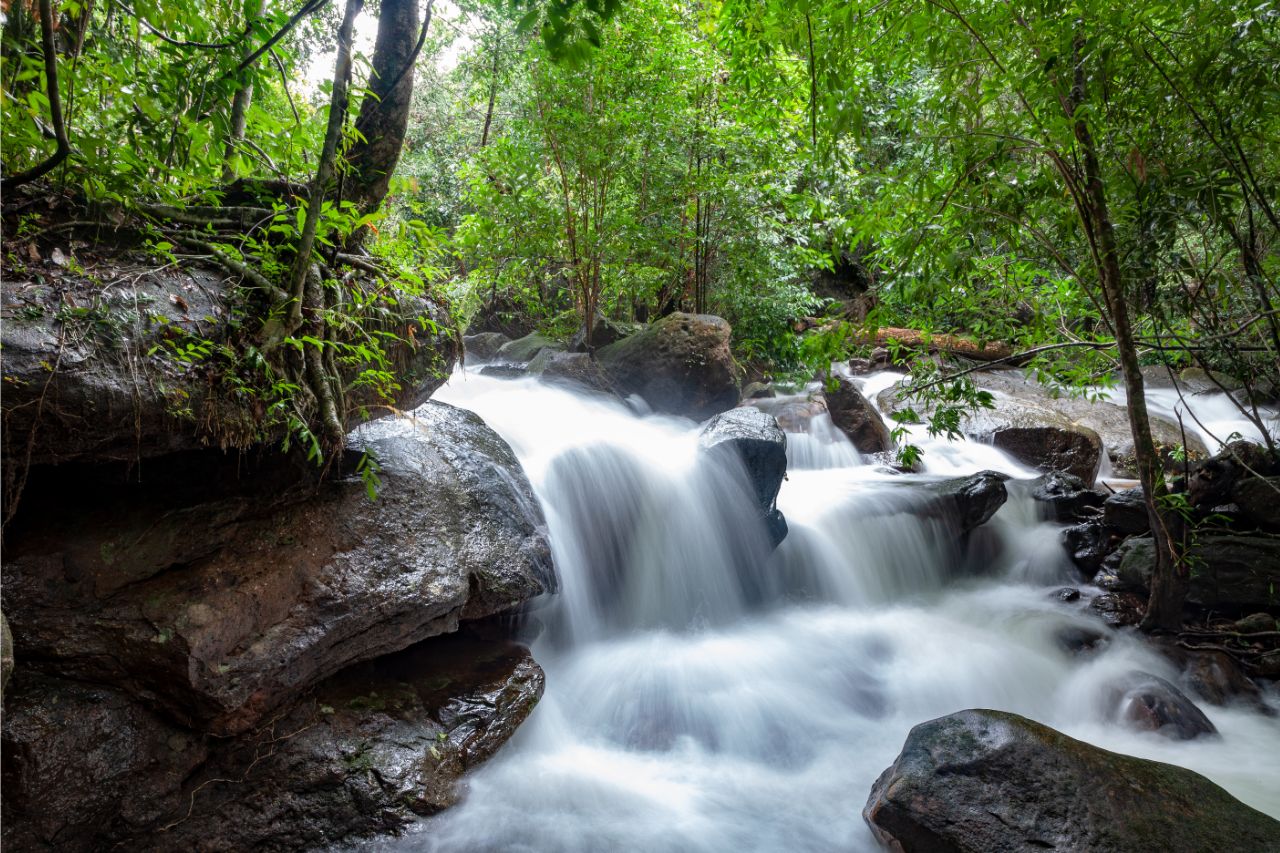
706	695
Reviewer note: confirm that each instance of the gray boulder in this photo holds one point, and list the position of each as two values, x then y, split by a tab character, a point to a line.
968	501
483	346
221	608
1235	573
603	332
1063	497
680	365
992	782
574	370
524	349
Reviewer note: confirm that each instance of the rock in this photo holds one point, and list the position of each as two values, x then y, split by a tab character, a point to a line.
794	414
1088	544
1216	481
573	370
523	350
1217	678
1063	497
1268	664
680	365
758	390
1023	401
378	746
1148	702
504	371
992	782
1259	501
87	768
854	415
1078	639
1125	512
970	501
756	441
1119	609
6	653
1235	572
603	332
1067	594
106	386
85	763
484	346
222	607
1256	623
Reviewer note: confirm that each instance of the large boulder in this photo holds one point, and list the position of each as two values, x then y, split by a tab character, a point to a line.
116	379
222	607
1234	573
1063	497
854	415
483	346
755	440
794	414
992	782
680	365
968	502
1147	702
603	332
375	746
525	349
574	370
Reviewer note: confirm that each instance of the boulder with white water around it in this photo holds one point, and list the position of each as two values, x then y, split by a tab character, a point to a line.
221	606
573	370
1063	497
757	442
525	349
854	415
968	501
680	365
483	346
1147	702
982	781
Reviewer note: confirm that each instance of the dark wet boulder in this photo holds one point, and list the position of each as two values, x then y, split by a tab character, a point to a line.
524	350
853	414
603	332
760	446
1235	573
111	383
1214	676
680	365
992	782
87	767
220	608
1257	623
1119	609
573	370
1147	702
1088	544
1125	512
1048	442
1064	497
504	371
1080	639
1259	501
483	346
969	501
1240	465
1067	594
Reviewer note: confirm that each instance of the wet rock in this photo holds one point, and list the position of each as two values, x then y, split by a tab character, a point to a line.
1063	497
1079	639
1216	481
1216	677
1119	609
1067	594
982	781
223	608
484	346
573	370
1088	544
854	415
758	391
377	746
504	371
1125	512
1259	501
84	764
680	365
6	654
523	350
970	501
1268	664
1236	573
793	414
756	441
1048	444
603	332
106	388
1148	702
87	768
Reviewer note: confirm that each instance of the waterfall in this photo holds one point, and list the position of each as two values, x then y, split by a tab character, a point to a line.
707	694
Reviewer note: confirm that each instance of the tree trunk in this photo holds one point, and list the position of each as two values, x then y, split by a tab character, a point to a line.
1170	577
384	113
240	103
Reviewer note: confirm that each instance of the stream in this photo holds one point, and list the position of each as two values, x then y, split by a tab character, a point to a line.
706	695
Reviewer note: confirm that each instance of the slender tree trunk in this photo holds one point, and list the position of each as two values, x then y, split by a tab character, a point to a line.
493	84
1170	577
384	113
240	103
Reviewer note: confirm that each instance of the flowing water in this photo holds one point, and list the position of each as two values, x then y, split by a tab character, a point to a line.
706	695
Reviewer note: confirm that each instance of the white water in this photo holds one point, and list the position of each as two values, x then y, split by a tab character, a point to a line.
703	695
